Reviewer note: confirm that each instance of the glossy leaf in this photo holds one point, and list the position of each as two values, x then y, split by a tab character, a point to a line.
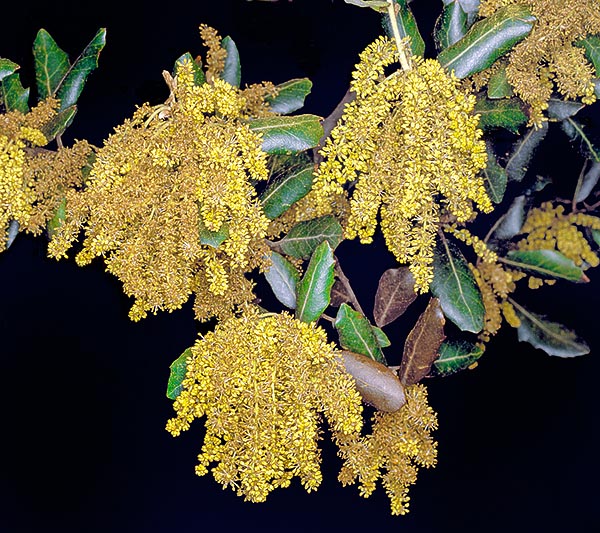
523	151
456	355
577	135
57	219
304	237
511	222
553	338
422	344
494	177
283	279
290	181
315	287
212	238
356	333
177	375
12	232
503	113
454	285
382	339
7	67
232	71
14	95
588	182
596	236
546	263
591	44
395	292
407	25
290	96
59	123
199	77
286	135
51	64
563	109
487	41
451	25
377	384
498	86
73	82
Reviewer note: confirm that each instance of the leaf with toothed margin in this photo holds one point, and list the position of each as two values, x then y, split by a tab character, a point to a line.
14	95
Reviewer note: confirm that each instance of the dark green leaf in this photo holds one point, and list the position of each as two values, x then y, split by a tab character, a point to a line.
212	238
57	219
422	344
591	44
487	41
451	25
199	77
575	132
72	84
498	86
177	375
511	222
290	96
395	292
289	182
283	279
596	236
523	151
454	285
377	5
456	355
551	337
286	135
51	64
562	109
503	113
304	237
11	234
59	123
382	339
7	67
407	26
232	71
15	96
494	177
547	263
588	181
315	287
356	333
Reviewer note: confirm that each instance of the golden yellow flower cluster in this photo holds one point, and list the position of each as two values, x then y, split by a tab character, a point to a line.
546	59
264	382
169	202
400	443
411	145
479	246
549	228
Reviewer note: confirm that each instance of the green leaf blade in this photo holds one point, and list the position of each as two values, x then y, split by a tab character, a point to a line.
199	77
232	71
456	355
451	25
407	25
504	113
14	95
498	86
7	68
287	135
51	64
290	96
546	263
292	182
314	289
523	151
177	375
283	277
357	334
305	237
495	179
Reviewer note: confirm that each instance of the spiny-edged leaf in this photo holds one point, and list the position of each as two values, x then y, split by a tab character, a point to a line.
503	113
451	25
563	109
494	176
456	355
511	222
395	292
315	287
377	384
290	96
382	339
286	135
377	5
232	71
575	132
591	45
12	232
339	294
177	375
59	123
422	344
407	25
498	86
487	41
51	64
199	77
212	238
553	338
356	333
547	263
454	285
283	279
291	179
57	219
588	181
7	67
14	95
523	151
304	237
72	84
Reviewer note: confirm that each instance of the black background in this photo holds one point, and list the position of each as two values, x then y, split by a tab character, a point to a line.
82	388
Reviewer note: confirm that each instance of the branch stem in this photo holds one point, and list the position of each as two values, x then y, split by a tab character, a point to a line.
404	63
346	283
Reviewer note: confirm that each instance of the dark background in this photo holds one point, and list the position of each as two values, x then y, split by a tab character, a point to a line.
82	390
